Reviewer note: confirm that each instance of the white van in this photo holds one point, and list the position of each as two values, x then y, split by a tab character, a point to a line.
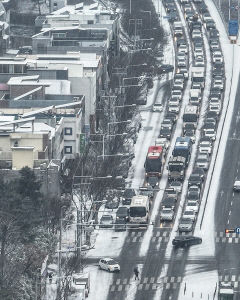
139	210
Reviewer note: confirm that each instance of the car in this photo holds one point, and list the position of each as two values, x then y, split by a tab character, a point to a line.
199	62
187	7
198	171
163	142
176	185
157	107
109	265
181	41
236	186
198	52
185	225
122	213
189	214
106	221
192	205
172	116
210	133
146	191
213	33
178	85
210	25
166	123
171	193
165	133
127	196
218	83
215	107
183	49
217	57
174	108
112	203
181	62
214	46
153	181
193	196
196	33
169	202
190	133
120	224
194	188
206	16
196	86
188	126
218	72
166	68
195	179
186	241
202	161
189	16
212	115
176	94
183	71
205	147
166	214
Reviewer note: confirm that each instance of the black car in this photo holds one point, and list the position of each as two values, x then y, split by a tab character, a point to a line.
153	181
166	68
195	179
113	203
218	72
190	133
127	196
199	171
186	241
212	114
165	133
122	213
193	196
188	126
120	224
169	202
171	116
181	41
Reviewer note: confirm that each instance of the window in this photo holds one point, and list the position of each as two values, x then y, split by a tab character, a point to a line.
68	149
68	131
90	22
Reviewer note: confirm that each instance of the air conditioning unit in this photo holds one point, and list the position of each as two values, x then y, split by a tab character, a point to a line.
76	99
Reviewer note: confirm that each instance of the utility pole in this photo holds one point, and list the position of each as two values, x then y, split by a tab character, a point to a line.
60	255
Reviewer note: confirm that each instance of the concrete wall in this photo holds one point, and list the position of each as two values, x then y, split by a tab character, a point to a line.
22	158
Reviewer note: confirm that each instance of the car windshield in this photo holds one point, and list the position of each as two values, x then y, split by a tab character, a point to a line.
194	177
186	221
137	211
111	262
193	195
106	218
189	213
191	204
122	210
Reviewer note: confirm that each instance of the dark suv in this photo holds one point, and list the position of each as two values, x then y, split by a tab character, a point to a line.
186	240
127	196
122	213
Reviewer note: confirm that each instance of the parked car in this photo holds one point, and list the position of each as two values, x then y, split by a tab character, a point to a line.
186	241
109	265
166	68
127	196
106	221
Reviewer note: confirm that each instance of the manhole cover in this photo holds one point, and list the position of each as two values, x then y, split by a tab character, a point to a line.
147	128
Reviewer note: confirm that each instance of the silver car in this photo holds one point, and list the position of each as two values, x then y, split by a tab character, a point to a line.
185	225
202	161
166	214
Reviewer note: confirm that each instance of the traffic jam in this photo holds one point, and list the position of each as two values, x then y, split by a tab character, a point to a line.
194	106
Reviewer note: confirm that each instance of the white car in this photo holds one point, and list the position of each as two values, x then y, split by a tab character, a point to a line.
205	147
181	55
217	57
189	214
176	185
183	71
177	85
211	133
109	265
183	49
196	33
236	186
194	188
202	161
174	108
198	52
157	107
181	62
192	205
218	83
166	214
176	94
173	101
216	108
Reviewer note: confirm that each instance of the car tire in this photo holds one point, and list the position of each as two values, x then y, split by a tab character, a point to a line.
109	270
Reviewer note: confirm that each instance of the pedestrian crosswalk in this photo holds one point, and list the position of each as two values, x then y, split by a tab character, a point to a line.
230	238
158	236
146	283
167	282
